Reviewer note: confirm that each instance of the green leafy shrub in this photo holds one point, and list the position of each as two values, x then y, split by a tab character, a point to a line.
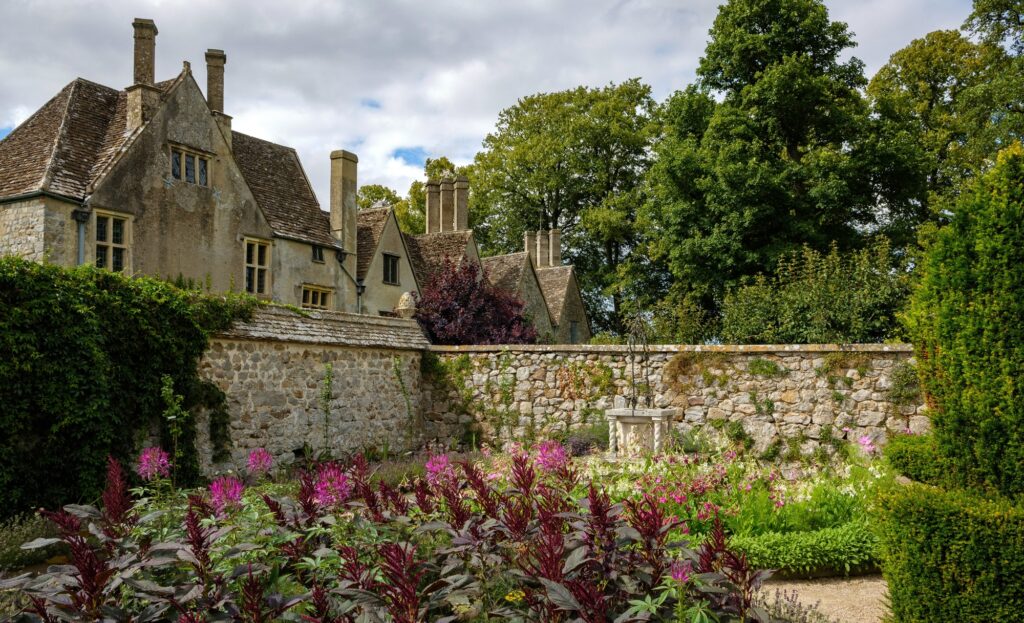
19	530
951	555
817	298
918	458
845	549
967	324
82	355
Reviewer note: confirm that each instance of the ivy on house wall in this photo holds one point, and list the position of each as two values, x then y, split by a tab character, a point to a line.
82	356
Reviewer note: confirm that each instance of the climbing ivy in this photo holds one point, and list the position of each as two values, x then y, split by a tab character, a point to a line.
83	353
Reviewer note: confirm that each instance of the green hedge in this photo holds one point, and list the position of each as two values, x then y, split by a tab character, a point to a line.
845	549
82	355
917	457
951	555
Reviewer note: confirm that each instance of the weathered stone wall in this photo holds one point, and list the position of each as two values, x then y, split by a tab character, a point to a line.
22	229
272	371
805	393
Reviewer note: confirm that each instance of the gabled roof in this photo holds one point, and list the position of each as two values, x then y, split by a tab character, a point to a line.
427	252
554	283
279	184
505	272
66	145
369	227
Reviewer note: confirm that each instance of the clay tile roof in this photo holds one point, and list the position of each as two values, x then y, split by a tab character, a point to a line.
370	227
505	272
554	283
68	143
275	176
428	251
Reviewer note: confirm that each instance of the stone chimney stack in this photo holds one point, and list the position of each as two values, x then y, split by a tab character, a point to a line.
145	51
556	247
343	199
215	61
143	96
543	256
433	208
531	245
461	203
447	205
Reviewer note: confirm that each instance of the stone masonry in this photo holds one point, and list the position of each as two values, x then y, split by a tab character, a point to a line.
775	392
22	226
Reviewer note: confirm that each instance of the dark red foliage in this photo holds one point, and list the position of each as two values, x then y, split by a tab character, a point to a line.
523	474
517	512
648	518
307	497
118	518
458	511
424	497
460	306
355	571
599	527
402	576
486	496
393	498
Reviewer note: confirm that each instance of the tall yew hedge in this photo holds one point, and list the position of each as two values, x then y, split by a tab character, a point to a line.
967	323
82	355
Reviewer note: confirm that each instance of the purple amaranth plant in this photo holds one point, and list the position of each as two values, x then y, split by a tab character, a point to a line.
226	492
333	486
486	497
260	462
424	497
524	476
402	575
118	518
648	518
153	463
393	498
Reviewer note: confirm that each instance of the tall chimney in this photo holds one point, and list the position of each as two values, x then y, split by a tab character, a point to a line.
343	198
215	60
143	96
433	208
531	245
556	247
145	51
543	257
461	203
447	205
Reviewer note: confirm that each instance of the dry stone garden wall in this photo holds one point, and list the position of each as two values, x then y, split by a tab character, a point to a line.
776	399
273	369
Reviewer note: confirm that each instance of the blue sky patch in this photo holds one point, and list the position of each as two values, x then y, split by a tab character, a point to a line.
5	131
411	155
368	102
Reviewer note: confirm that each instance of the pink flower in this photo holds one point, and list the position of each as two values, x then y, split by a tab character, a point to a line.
680	571
439	470
153	463
551	456
332	486
225	492
260	461
867	445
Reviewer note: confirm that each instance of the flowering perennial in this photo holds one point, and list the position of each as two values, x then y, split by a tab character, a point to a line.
153	463
260	461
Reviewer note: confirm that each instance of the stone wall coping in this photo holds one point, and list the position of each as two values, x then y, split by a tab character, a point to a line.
620	349
282	324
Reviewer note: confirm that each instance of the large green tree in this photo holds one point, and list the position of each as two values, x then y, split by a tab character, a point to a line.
780	159
573	160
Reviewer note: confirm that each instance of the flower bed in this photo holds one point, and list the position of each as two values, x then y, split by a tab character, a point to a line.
465	542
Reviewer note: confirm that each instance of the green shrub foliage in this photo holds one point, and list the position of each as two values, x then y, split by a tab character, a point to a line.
917	458
848	548
819	298
951	555
82	353
967	323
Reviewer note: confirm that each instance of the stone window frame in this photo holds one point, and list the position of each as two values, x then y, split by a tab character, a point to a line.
392	262
318	254
202	163
316	297
108	244
258	269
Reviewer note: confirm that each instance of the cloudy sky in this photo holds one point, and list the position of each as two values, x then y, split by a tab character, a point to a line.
393	80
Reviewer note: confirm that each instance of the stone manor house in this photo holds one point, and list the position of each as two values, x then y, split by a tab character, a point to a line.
151	179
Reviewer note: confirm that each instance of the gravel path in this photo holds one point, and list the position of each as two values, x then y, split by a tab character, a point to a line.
846	600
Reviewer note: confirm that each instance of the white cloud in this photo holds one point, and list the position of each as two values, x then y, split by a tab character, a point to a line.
373	77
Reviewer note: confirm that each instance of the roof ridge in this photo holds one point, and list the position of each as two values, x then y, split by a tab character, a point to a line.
48	172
